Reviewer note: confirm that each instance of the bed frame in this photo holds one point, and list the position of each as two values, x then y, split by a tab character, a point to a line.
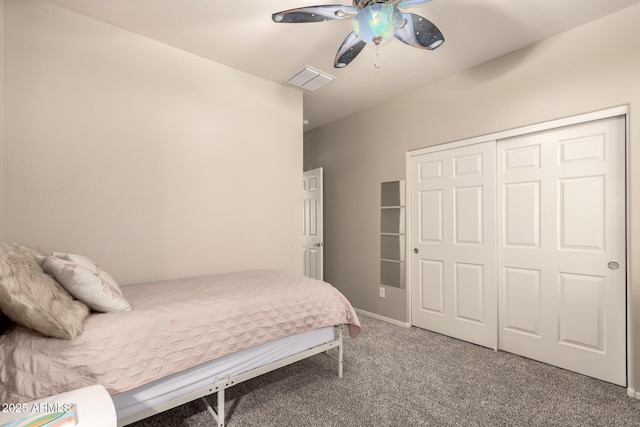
219	386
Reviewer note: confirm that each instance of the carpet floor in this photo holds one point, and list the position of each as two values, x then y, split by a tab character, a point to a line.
395	376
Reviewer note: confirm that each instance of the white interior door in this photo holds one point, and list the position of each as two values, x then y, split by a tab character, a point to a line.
561	248
313	248
453	264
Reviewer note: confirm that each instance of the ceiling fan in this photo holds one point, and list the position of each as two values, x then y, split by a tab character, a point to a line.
374	21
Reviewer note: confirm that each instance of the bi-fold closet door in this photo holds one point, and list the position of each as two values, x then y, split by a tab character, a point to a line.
519	244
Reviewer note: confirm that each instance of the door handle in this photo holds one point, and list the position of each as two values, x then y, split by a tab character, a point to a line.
613	265
319	244
415	250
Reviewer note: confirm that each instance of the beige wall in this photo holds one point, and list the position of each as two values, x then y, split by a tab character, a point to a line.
155	162
590	68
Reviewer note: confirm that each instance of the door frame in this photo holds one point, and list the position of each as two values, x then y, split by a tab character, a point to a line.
622	110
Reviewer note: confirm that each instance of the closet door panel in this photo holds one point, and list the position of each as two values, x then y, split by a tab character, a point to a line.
522	294
561	251
453	241
522	214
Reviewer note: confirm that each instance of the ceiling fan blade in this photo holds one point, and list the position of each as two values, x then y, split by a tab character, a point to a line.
408	3
419	32
314	14
349	49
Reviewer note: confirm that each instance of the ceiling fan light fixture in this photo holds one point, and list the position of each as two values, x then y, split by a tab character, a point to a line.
373	21
377	22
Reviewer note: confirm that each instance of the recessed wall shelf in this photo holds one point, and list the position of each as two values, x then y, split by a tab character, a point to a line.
392	234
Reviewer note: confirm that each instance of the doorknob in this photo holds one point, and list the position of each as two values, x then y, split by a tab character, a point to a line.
415	250
613	265
317	245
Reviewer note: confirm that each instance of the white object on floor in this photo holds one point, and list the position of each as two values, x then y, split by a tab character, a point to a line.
93	405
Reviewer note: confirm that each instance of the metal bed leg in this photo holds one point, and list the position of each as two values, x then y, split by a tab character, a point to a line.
340	353
218	415
221	407
210	408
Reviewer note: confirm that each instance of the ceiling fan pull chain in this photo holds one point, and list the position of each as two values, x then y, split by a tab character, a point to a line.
376	65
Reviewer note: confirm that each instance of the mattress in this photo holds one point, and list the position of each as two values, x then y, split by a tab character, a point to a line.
174	386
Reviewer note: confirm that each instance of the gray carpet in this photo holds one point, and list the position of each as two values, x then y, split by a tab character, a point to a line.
396	376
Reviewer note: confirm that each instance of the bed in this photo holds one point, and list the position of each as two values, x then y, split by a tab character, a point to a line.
182	340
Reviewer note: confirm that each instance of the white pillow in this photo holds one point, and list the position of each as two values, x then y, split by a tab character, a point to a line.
87	262
86	281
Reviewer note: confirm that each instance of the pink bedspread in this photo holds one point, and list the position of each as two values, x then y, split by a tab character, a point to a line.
174	325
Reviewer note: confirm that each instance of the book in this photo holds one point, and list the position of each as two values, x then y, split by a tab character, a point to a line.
68	417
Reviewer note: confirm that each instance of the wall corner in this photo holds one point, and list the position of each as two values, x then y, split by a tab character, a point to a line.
3	27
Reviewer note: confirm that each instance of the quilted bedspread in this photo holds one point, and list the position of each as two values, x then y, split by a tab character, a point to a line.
174	325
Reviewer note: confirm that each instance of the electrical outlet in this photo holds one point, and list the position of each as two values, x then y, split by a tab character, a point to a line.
381	292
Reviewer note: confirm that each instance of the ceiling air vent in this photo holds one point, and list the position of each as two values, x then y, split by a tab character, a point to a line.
309	78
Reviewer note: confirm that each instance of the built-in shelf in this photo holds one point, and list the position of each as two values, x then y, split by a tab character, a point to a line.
392	234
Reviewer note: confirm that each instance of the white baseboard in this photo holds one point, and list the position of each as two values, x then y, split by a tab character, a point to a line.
383	318
632	393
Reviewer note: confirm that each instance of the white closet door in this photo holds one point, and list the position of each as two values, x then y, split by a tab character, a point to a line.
453	273
561	248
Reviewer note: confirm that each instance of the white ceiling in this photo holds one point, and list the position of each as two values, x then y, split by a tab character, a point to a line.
241	34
